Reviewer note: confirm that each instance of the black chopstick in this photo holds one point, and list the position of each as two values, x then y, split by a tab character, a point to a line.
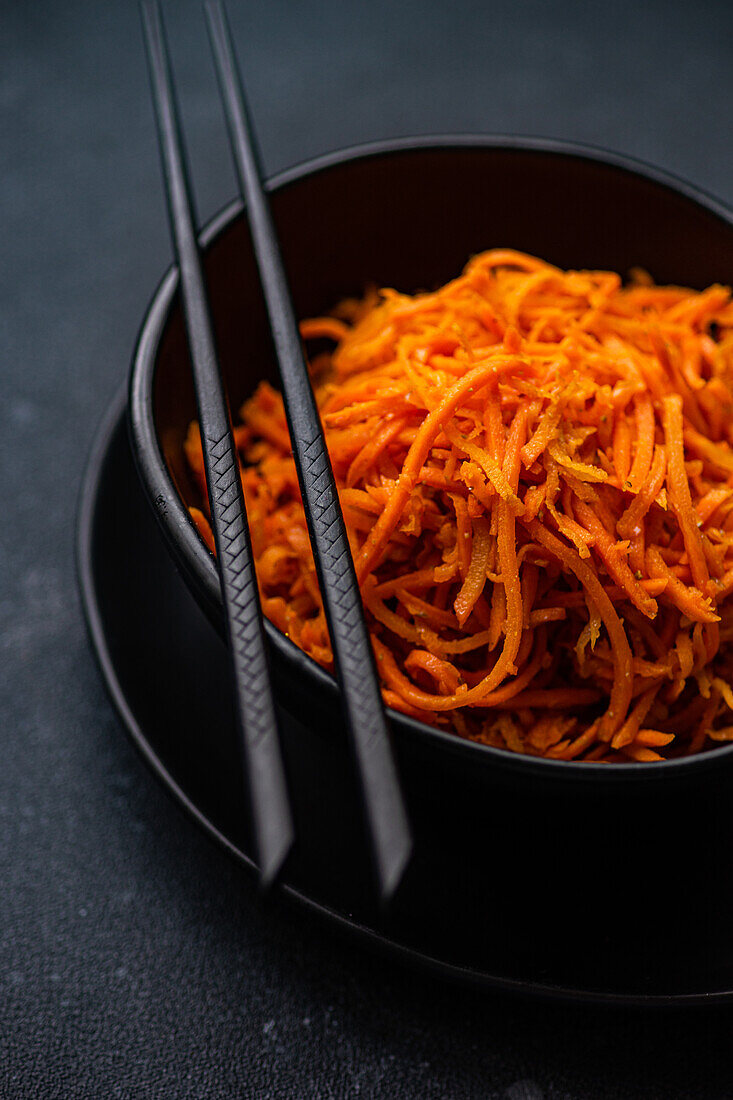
388	825
265	775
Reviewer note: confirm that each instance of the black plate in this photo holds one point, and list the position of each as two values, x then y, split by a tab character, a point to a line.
475	907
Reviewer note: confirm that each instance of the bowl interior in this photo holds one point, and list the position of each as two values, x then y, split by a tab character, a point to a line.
410	216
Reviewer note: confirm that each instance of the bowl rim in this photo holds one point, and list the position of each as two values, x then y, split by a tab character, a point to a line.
189	551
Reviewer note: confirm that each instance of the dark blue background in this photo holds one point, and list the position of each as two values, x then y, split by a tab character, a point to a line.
135	960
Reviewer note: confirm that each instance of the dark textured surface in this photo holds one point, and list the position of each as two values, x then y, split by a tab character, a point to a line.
135	960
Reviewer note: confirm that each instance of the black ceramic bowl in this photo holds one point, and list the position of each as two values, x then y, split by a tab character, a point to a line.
612	864
409	214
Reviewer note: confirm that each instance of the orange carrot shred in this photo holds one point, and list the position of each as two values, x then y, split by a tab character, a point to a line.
536	474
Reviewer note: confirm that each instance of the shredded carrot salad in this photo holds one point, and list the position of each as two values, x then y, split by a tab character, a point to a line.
536	471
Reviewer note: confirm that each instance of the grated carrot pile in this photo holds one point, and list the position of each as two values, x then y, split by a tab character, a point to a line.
536	472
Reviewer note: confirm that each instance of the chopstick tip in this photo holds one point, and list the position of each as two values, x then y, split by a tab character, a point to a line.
272	862
392	869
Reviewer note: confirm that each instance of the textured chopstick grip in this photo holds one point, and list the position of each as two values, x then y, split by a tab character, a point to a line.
388	824
270	808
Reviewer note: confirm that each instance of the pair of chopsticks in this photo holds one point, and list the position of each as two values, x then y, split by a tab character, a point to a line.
274	832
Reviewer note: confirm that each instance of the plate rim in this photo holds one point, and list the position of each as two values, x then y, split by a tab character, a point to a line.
111	422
